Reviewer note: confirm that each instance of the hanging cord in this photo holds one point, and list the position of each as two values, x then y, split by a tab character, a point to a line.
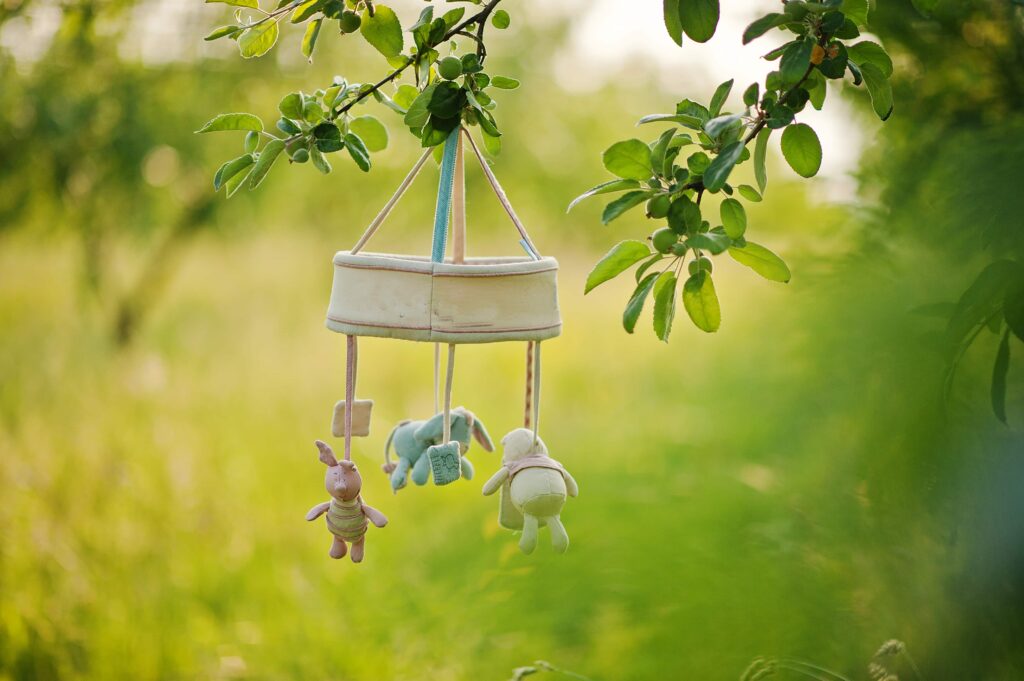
529	385
448	394
351	360
386	210
444	197
536	390
437	377
526	241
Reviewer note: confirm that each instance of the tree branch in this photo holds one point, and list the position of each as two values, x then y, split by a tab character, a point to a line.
480	17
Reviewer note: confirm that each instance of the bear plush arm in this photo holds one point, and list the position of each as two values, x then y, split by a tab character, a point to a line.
496	481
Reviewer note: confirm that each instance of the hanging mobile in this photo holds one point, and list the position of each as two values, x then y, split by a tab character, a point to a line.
456	301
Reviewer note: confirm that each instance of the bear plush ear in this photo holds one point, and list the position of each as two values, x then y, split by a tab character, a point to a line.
326	454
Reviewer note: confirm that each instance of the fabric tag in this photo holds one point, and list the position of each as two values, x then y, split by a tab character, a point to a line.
445	462
361	410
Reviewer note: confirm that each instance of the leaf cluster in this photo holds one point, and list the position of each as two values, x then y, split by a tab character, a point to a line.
696	156
447	91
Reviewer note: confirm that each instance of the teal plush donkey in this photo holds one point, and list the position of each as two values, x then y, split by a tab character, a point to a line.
412	439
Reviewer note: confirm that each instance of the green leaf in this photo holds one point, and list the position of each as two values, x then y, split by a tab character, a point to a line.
371	131
309	39
701	302
232	186
383	31
357	150
223	31
749	193
699	18
672	23
266	160
857	10
405	95
796	61
999	372
664	304
716	126
734	218
233	121
328	138
868	52
714	242
879	89
501	19
419	111
258	40
760	159
802	149
252	141
620	258
248	4
504	83
622	204
636	302
230	169
761	26
320	161
630	160
492	145
685	119
762	261
604	188
983	298
305	10
718	172
1013	307
718	99
291	106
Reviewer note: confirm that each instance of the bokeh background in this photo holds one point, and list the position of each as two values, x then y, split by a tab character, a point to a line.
792	487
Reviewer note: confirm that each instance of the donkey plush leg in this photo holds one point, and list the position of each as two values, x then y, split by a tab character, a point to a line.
338	549
421	471
357	550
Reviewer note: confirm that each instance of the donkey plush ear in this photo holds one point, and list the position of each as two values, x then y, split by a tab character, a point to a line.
431	430
326	454
480	433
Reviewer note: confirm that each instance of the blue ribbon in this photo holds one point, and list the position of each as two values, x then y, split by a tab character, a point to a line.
444	197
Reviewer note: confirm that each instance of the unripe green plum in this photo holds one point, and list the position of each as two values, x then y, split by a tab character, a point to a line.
349	22
450	68
664	239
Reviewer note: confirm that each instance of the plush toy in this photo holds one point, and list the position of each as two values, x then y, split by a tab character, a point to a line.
413	439
533	490
347	515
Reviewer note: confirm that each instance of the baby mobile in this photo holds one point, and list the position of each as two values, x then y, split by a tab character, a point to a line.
449	301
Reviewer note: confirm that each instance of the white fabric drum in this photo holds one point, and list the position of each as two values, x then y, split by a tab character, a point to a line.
483	300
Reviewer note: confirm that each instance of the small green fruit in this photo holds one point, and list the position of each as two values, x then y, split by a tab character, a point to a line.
450	68
680	249
657	208
300	156
664	239
703	264
349	22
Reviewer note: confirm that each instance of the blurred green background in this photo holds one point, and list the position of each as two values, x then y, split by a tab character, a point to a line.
793	486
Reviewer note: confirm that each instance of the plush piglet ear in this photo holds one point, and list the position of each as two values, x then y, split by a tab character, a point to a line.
480	433
326	454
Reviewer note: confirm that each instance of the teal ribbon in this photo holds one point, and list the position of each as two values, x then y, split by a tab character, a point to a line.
444	197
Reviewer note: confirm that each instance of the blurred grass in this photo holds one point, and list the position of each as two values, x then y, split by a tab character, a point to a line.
790	486
153	503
